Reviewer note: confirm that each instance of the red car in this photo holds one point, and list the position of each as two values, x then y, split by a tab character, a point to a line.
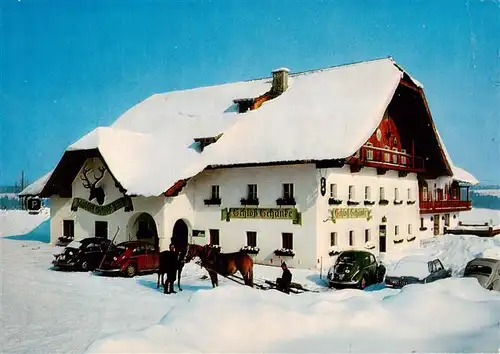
131	258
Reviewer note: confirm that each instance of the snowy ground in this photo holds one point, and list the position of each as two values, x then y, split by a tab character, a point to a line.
44	311
480	216
19	222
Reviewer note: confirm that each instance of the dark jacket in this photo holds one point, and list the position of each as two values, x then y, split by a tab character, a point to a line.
286	278
171	261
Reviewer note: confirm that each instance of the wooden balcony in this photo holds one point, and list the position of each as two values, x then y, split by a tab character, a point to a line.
444	206
388	159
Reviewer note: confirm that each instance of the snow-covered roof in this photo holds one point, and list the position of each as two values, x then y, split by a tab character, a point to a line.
37	186
324	114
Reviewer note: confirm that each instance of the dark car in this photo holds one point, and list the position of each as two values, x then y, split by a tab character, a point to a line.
486	271
131	258
83	255
355	269
416	270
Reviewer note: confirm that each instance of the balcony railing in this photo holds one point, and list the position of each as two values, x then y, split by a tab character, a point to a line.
378	157
441	206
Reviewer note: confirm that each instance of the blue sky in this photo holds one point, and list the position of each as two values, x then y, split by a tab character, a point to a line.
69	66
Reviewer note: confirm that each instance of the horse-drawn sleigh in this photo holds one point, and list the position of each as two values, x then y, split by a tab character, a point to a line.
224	264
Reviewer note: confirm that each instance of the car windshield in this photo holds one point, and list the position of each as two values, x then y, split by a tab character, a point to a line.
478	269
74	244
411	268
120	248
346	258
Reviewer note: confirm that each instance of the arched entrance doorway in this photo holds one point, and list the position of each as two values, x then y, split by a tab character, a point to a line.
143	228
180	234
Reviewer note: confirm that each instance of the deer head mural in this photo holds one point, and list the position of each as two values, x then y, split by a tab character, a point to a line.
95	192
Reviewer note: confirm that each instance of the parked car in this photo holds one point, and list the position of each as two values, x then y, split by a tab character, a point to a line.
83	255
486	271
355	269
131	258
416	270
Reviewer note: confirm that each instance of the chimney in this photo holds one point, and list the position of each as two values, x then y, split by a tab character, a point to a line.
280	81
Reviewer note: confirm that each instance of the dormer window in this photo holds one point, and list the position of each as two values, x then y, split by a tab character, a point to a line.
244	104
205	141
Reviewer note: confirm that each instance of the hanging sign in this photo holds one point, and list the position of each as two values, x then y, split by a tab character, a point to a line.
351	213
262	213
124	202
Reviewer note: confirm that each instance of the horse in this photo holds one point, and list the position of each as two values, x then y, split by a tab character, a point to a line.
226	264
185	256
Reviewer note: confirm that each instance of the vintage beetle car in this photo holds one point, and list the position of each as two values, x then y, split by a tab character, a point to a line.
416	270
85	254
486	271
131	258
355	269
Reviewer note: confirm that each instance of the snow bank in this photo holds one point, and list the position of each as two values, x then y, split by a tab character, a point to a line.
480	216
238	319
19	222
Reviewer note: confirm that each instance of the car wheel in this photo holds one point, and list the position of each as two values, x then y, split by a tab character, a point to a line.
85	266
131	270
363	283
380	274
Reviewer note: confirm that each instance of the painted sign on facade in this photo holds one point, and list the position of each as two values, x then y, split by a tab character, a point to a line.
351	213
124	202
262	213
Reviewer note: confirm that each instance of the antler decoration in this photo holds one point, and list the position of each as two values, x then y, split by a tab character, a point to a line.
95	192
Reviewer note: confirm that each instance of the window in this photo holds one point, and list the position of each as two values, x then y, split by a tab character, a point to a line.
252	191
424	193
447	219
214	237
409	229
387	155
367	235
382	193
101	229
403	157
367	193
396	230
396	193
395	156
351	238
421	223
409	194
139	250
215	192
369	151
333	191
287	240
351	193
333	239
251	238
69	228
288	190
437	265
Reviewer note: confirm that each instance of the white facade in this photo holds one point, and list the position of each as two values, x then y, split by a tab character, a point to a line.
352	233
84	222
313	239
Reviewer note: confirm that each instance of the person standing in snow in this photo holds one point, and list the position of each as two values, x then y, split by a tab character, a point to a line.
283	283
172	265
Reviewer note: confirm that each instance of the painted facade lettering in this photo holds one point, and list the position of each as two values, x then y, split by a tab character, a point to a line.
351	213
262	213
124	202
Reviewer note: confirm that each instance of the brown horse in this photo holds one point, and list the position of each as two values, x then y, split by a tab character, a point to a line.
185	255
226	264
